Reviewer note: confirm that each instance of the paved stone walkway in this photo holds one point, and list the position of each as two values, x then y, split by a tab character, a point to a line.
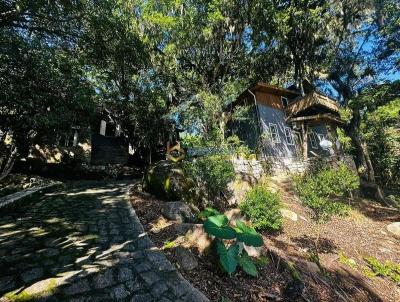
84	244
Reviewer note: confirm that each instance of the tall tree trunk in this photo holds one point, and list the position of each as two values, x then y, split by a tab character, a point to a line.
362	158
7	160
363	162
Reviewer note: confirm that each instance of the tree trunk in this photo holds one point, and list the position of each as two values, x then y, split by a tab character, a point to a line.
363	162
7	160
362	158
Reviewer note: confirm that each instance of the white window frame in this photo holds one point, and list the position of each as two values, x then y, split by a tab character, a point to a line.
287	101
313	140
289	135
271	133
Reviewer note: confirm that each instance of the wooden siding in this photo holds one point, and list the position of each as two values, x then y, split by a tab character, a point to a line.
269	100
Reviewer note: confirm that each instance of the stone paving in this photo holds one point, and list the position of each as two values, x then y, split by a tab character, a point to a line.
84	244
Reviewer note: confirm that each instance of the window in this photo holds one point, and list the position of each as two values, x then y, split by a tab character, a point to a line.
284	102
289	136
313	140
273	130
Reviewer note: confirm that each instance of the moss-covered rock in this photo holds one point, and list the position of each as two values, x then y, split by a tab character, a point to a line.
167	181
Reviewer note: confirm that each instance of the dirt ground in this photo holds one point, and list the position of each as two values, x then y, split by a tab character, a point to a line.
362	233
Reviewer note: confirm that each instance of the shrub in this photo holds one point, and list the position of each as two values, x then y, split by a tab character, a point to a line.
317	191
262	208
231	254
388	269
211	173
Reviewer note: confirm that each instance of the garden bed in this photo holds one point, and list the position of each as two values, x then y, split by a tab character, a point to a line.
345	241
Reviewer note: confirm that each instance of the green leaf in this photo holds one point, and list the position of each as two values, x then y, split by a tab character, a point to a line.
217	226
208	212
248	235
247	264
228	257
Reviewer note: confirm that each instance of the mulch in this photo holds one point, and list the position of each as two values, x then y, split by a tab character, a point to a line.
338	282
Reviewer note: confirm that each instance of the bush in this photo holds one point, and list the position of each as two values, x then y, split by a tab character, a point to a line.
232	254
262	208
318	191
211	173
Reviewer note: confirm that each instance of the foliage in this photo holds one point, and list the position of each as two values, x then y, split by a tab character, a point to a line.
230	256
318	190
387	269
262	208
208	212
211	173
381	129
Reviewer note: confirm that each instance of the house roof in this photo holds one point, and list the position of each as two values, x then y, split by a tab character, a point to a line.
264	87
268	88
316	117
309	100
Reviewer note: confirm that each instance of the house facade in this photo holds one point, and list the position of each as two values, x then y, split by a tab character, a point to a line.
287	128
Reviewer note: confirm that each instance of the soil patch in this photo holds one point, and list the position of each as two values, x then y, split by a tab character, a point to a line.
350	236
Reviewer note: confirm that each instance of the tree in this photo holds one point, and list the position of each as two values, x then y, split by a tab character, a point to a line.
44	93
380	128
44	85
199	56
292	36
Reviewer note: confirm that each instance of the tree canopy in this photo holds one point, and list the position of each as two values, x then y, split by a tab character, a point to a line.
162	64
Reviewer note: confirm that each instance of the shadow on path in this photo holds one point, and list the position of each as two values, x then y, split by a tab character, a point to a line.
83	244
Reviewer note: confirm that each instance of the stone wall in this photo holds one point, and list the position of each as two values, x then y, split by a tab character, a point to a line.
290	165
249	167
271	165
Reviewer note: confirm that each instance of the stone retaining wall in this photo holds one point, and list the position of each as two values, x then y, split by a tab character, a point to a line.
283	165
21	195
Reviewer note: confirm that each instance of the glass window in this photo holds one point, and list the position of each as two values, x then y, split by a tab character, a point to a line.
313	140
289	136
273	130
284	101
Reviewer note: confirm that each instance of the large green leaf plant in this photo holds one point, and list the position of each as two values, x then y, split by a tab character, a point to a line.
230	240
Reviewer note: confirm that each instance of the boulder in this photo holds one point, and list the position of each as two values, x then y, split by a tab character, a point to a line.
394	229
166	181
179	211
289	214
199	237
186	259
183	228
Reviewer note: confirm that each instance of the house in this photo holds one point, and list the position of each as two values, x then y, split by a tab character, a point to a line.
108	145
286	128
98	144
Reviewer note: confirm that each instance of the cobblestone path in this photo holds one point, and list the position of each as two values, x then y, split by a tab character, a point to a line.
84	244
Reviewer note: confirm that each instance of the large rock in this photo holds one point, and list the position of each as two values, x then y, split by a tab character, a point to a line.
186	259
179	211
183	228
394	229
198	237
166	181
